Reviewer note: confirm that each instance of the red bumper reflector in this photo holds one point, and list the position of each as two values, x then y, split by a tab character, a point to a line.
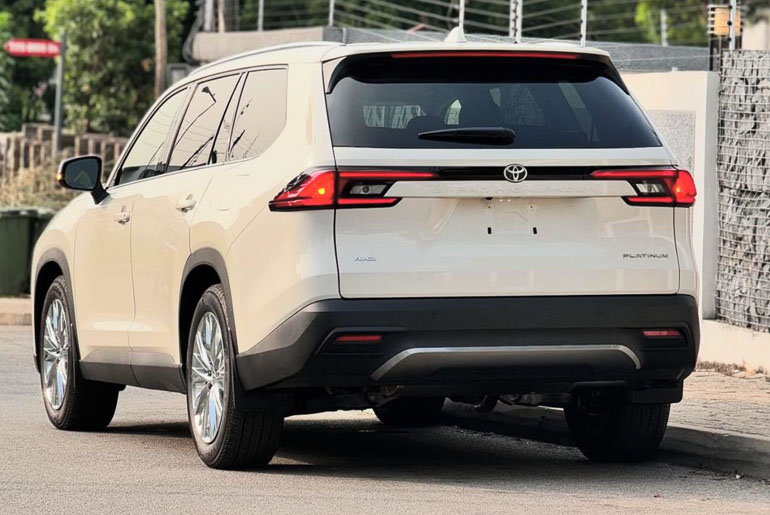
358	338
661	333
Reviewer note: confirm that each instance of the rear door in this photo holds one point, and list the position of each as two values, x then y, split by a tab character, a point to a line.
485	218
164	211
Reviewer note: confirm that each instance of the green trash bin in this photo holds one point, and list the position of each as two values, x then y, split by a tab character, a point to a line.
19	230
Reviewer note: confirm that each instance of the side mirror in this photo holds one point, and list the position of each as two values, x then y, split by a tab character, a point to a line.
83	174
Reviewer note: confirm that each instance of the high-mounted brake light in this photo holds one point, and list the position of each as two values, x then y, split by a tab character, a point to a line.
655	187
482	53
325	189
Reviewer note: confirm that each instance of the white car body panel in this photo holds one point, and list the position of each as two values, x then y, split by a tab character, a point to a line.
444	238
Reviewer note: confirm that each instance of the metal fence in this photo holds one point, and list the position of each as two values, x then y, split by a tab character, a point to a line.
584	20
743	167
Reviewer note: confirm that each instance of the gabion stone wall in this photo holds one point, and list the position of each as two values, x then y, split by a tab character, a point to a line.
743	168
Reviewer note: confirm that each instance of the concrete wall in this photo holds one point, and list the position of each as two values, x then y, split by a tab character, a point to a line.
210	46
685	108
757	36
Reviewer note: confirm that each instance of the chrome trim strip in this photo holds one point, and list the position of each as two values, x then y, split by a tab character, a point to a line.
497	351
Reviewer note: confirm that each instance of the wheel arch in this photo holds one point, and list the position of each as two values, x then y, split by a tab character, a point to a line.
52	264
204	268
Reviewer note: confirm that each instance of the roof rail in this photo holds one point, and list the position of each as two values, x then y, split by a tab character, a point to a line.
274	48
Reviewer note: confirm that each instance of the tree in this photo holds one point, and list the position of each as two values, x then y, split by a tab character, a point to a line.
6	75
28	92
687	20
109	79
161	47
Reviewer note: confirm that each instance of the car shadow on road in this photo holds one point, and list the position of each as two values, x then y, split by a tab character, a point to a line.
167	429
368	449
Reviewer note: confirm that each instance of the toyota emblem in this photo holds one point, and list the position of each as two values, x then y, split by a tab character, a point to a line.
515	173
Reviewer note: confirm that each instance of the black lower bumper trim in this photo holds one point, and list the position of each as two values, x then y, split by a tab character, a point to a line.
516	341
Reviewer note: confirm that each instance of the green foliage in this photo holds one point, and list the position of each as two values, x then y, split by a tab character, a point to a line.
687	20
29	95
110	49
6	121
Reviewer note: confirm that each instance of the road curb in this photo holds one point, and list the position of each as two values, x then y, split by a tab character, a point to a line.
722	451
15	319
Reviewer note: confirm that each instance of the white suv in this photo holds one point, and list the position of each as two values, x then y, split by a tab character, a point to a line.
321	226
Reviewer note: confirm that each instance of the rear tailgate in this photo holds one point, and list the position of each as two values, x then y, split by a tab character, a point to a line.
455	225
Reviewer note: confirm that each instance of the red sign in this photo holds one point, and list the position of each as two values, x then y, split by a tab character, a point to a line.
19	47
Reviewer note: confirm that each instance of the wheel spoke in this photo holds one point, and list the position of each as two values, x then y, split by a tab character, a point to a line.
212	415
200	398
50	332
49	373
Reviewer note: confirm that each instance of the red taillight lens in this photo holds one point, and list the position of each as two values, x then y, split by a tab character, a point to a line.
655	187
683	189
347	189
312	190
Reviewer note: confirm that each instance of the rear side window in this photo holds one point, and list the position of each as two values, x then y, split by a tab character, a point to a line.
200	123
379	101
261	114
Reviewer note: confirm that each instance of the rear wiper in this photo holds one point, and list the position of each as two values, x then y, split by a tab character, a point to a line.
478	135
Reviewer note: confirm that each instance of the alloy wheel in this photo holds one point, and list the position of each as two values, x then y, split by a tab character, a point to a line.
56	344
207	377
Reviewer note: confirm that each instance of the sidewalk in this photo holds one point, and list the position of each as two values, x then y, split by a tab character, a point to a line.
723	424
15	311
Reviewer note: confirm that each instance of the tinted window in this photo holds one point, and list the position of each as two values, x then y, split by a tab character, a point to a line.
261	113
219	152
200	123
146	156
386	102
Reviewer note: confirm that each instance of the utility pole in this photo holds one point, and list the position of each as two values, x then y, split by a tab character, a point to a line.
222	16
261	16
161	47
583	22
208	16
663	27
515	20
733	18
57	114
331	13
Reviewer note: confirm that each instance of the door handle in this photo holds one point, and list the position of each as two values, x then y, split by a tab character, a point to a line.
122	217
185	204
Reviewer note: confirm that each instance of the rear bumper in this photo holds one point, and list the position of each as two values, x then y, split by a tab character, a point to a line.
504	344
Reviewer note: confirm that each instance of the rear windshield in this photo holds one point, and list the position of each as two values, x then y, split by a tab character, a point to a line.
385	102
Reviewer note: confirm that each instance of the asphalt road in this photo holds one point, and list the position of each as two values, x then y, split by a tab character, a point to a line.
335	463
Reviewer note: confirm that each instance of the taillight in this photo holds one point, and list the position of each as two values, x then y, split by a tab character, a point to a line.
655	187
325	189
306	191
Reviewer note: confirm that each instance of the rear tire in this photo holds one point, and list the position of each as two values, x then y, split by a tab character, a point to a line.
616	430
71	402
411	411
225	436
